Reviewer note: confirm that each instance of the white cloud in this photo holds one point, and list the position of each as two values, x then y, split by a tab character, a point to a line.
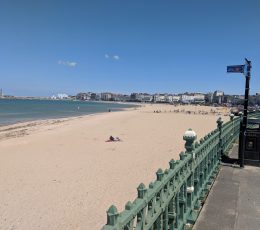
72	64
113	57
116	57
67	63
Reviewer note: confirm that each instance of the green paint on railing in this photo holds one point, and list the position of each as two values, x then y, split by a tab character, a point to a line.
173	201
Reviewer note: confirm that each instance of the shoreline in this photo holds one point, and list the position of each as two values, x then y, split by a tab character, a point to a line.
22	128
41	119
136	105
15	127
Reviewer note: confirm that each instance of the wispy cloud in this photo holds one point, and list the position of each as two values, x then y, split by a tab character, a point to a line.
116	57
68	63
113	57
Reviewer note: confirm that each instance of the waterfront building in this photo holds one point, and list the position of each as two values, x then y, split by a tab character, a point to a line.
147	97
209	98
218	97
161	98
114	97
120	97
176	98
169	98
60	96
83	96
187	98
123	97
237	100
1	93
98	96
228	99
93	96
199	98
141	97
106	96
135	97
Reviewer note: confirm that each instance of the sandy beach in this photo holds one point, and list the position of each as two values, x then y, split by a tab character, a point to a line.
62	174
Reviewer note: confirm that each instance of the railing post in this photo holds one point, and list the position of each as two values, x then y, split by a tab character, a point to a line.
177	210
220	150
231	117
128	207
112	215
190	136
141	192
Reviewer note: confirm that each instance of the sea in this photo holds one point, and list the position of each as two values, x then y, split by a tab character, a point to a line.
22	110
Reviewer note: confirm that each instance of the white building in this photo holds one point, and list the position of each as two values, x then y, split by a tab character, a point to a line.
218	97
176	98
83	96
62	96
106	96
187	98
172	98
141	97
159	98
199	98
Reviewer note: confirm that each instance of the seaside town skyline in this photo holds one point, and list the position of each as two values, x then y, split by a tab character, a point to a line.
217	97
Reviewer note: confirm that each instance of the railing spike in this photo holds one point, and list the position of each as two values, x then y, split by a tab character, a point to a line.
141	190
112	215
159	174
172	164
128	205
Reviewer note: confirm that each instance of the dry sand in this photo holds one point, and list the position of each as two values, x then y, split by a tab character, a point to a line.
61	174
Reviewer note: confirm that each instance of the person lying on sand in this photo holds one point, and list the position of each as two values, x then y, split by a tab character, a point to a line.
112	139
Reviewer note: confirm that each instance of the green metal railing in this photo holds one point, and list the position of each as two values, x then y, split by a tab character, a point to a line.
254	115
173	201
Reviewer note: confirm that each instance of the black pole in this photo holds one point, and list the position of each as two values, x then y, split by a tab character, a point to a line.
244	124
240	143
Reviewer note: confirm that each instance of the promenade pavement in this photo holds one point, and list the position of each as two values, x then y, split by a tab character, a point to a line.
234	200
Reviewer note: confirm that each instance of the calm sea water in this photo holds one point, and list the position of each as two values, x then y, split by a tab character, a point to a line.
19	110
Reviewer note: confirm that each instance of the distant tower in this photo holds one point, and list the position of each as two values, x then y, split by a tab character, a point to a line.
1	93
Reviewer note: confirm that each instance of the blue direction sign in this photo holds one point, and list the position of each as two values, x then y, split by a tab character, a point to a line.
235	68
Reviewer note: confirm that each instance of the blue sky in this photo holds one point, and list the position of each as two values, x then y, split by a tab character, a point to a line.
127	46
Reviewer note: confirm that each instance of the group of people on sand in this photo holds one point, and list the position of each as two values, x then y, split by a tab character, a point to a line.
200	112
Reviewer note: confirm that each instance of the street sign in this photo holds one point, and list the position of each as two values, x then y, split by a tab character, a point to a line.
235	68
246	70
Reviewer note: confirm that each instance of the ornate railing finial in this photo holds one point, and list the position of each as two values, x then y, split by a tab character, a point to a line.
189	136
